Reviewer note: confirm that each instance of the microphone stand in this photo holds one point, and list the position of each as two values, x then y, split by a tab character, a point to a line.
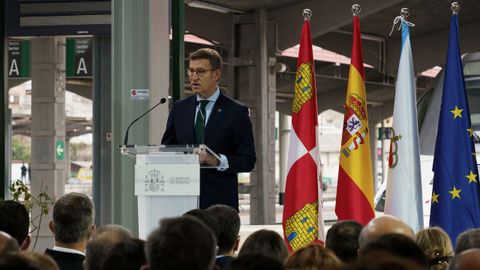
125	140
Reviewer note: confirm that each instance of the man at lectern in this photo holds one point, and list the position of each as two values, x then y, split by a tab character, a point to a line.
221	123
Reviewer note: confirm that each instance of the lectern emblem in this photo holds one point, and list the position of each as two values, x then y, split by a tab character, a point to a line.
154	181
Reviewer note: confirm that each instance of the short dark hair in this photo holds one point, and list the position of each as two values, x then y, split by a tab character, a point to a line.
183	243
102	242
266	243
73	217
398	245
255	262
14	220
342	239
467	240
211	55
126	255
229	222
206	217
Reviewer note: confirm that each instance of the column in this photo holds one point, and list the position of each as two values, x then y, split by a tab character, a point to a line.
48	123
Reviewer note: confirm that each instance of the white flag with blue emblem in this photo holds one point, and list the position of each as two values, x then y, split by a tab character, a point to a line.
404	186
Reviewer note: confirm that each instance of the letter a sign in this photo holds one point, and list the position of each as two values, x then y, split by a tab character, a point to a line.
79	58
18	58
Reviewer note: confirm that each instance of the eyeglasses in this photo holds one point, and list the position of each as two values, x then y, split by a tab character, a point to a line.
200	72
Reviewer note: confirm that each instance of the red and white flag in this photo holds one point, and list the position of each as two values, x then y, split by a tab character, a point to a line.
302	215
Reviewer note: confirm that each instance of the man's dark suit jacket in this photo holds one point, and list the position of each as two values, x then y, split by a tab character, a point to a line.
66	260
228	132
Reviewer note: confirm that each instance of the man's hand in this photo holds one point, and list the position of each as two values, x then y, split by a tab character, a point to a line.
206	158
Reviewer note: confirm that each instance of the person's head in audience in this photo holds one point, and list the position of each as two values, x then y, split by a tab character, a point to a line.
102	242
126	255
436	246
44	261
206	217
229	228
467	240
342	239
381	226
72	221
266	243
8	244
398	245
466	260
17	262
313	256
183	243
15	220
255	262
383	260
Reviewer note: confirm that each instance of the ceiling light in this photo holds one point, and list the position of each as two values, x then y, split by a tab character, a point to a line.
213	7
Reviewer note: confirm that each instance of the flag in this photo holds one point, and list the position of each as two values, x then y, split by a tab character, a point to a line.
302	218
355	181
404	184
455	196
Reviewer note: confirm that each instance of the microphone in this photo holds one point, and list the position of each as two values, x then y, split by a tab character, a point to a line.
125	140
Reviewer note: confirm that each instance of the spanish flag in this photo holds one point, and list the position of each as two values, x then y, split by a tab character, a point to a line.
355	181
302	219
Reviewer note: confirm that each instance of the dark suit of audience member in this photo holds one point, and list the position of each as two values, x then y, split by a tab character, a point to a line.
211	118
72	226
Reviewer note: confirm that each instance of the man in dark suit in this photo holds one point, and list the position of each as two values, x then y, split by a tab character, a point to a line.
211	118
72	226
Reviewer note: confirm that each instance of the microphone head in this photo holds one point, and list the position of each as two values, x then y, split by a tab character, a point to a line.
163	100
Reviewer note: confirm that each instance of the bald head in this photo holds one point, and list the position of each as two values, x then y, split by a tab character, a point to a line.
8	244
467	260
381	226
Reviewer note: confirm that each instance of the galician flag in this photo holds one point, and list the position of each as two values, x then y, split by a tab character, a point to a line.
404	186
302	216
355	181
456	190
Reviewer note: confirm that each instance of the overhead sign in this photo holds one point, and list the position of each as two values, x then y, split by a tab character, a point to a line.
79	58
18	58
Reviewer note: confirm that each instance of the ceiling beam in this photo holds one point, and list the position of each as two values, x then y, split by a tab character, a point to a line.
326	17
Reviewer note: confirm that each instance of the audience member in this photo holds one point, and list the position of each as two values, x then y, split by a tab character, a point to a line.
15	220
126	255
266	243
72	226
102	242
206	217
436	246
44	261
17	262
342	239
383	225
228	234
398	245
467	240
382	260
255	262
466	260
313	256
8	244
183	243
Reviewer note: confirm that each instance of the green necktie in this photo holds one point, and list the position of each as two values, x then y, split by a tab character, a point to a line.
200	122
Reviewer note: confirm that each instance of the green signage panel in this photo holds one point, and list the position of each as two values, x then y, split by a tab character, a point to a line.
18	58
60	149
79	58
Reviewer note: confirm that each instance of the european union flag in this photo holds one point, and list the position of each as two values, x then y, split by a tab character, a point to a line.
456	193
